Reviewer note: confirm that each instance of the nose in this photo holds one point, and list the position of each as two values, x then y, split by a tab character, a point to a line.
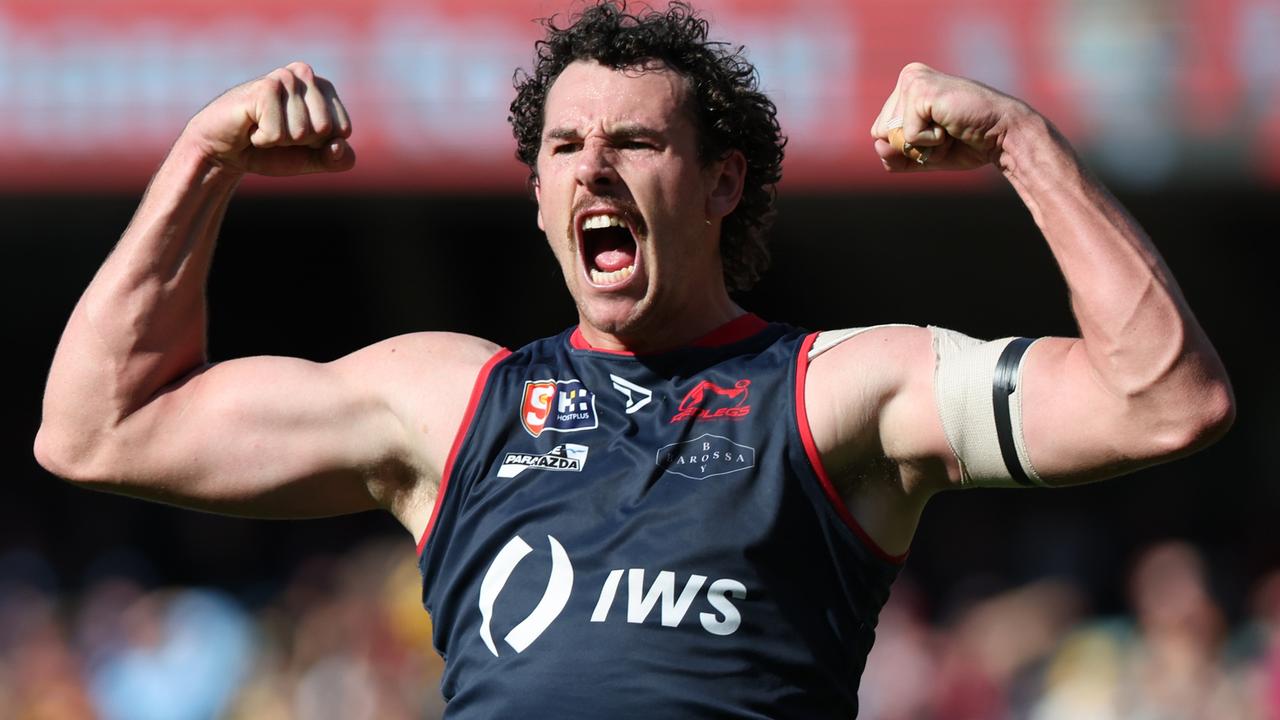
595	166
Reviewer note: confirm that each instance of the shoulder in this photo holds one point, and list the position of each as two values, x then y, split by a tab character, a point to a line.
433	352
436	361
854	373
863	391
425	378
879	355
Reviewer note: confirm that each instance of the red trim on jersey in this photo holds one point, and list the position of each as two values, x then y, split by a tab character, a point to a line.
476	391
815	459
580	343
739	328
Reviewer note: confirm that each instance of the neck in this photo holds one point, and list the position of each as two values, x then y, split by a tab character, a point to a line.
657	334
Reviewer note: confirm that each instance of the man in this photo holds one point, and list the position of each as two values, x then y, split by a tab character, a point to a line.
712	507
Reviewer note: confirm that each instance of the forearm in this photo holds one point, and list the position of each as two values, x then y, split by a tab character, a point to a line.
1138	334
141	323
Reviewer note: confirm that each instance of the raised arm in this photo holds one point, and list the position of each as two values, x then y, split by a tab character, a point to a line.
133	405
1141	385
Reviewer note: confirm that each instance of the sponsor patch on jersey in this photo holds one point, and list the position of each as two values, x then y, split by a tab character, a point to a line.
557	406
556	596
663	599
562	458
709	401
706	456
637	395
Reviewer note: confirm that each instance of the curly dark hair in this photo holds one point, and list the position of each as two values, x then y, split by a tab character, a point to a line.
731	112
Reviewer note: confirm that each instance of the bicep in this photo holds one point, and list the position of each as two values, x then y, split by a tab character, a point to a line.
1060	425
261	436
879	397
284	437
859	400
1076	430
871	400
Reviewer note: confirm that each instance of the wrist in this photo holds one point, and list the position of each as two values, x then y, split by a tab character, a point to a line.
1033	150
191	152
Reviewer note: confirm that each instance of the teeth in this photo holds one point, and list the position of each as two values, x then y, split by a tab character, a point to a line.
599	222
609	278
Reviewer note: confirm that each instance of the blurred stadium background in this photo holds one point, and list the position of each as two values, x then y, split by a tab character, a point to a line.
1156	596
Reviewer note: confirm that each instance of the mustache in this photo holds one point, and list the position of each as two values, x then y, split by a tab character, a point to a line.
622	207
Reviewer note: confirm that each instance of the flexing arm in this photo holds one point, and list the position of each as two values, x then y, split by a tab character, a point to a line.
132	404
1141	385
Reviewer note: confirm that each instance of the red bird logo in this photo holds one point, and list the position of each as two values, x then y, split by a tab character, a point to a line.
724	402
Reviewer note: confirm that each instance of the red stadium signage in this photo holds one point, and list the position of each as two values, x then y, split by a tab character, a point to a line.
92	93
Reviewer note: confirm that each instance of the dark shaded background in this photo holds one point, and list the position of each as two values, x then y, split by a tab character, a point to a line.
318	277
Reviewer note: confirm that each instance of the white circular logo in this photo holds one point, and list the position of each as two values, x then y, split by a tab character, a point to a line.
554	598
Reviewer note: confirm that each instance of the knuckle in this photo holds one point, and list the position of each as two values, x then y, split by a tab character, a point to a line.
323	126
302	70
271	85
342	122
287	81
279	75
269	134
914	71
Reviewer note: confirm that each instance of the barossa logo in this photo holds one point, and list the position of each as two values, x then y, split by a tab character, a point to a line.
709	401
706	456
557	406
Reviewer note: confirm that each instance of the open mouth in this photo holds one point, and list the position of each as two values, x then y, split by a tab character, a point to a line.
608	243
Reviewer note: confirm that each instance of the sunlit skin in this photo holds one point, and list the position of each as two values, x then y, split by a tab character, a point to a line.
614	139
134	406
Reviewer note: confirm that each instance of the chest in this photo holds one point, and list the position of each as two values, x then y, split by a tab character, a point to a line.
622	440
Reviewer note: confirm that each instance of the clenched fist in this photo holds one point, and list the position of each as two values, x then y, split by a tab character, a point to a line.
957	123
288	122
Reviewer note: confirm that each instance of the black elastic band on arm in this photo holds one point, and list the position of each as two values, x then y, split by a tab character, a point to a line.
1005	382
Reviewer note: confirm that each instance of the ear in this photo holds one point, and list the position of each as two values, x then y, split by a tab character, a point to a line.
726	179
537	195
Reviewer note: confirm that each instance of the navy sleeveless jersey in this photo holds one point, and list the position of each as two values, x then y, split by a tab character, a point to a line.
624	536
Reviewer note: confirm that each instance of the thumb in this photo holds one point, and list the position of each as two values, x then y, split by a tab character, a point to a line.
930	136
335	156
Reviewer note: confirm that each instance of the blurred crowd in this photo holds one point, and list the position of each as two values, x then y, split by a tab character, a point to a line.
346	637
1035	653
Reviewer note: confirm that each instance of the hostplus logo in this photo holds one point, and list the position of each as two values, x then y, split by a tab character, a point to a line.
557	406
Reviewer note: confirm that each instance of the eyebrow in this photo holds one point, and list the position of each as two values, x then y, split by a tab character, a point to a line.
625	131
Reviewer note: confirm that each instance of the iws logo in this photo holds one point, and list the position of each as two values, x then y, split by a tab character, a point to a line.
554	598
665	600
706	456
562	458
708	401
637	396
557	406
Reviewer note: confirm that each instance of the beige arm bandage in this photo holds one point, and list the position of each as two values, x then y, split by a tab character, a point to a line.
969	375
977	386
